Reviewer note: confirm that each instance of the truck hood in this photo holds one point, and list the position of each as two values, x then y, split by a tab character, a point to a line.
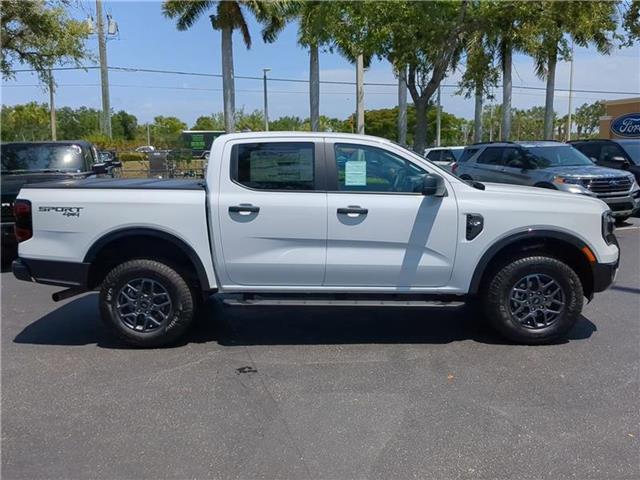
585	171
538	193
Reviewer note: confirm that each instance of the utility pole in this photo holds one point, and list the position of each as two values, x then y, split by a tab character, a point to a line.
266	102
52	106
570	95
104	72
438	119
148	135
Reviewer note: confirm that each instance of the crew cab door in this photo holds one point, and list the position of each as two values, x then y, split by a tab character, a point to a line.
272	212
381	231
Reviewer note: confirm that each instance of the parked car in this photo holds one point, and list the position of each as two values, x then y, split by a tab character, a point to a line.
33	162
623	154
444	156
316	219
551	165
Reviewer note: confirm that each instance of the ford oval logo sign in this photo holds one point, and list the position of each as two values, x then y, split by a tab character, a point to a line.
627	125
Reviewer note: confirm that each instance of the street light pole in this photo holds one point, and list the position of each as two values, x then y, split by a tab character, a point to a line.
104	73
266	102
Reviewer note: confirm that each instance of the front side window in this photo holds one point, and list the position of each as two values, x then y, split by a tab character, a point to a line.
369	169
274	165
513	158
491	156
448	156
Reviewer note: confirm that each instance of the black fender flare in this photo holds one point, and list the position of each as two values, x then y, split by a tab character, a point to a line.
185	248
491	252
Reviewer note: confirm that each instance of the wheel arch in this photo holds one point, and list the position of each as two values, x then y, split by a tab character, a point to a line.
561	245
136	236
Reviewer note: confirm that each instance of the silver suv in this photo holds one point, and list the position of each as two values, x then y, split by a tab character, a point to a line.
551	165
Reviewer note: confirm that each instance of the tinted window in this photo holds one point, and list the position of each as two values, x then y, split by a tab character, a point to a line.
491	156
558	156
275	166
513	158
591	150
434	155
467	154
632	147
448	156
369	169
42	157
611	150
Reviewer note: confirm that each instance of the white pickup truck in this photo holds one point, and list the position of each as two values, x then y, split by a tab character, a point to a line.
316	219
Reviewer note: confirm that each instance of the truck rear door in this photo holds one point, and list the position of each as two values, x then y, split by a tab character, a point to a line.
272	209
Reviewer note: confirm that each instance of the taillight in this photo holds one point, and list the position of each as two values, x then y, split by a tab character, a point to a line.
23	228
454	167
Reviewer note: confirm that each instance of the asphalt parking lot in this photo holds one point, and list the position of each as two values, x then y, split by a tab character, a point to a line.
321	393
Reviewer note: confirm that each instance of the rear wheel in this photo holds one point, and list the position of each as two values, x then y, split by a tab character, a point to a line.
146	303
533	300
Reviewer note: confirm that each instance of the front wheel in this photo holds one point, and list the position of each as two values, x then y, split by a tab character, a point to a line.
533	300
146	303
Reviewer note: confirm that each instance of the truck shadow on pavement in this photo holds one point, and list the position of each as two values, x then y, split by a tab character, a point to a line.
78	323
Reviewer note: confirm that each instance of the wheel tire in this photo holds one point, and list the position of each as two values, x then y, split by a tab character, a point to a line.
178	317
497	299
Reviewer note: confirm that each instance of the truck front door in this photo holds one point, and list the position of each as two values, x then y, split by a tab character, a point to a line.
382	232
272	213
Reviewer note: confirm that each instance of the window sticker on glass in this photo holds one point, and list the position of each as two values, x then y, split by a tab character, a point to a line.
355	173
283	166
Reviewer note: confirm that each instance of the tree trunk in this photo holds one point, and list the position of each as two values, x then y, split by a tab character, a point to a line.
360	94
477	120
420	135
314	88
402	106
548	104
506	91
228	88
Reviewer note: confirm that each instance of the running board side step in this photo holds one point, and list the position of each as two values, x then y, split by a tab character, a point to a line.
251	300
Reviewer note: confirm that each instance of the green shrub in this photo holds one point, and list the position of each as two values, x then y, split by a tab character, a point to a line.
131	156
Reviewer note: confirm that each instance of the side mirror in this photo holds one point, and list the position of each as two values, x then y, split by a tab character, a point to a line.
433	185
623	162
99	168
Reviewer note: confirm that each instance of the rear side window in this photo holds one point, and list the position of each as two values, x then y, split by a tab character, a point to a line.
491	156
434	155
448	156
274	165
467	154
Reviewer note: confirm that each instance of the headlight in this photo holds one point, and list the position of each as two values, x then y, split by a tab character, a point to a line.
608	227
570	180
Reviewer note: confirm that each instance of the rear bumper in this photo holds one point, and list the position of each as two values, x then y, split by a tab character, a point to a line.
65	274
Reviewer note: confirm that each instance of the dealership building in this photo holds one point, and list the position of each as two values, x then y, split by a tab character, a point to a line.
621	119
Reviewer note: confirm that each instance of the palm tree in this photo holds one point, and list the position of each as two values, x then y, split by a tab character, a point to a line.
311	17
586	23
228	16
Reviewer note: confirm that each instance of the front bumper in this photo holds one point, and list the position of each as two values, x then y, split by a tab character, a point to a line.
65	274
623	206
604	274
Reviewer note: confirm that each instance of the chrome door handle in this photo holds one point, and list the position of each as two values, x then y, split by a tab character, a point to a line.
244	209
353	210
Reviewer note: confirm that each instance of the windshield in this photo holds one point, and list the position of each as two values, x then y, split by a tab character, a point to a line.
632	147
558	156
41	158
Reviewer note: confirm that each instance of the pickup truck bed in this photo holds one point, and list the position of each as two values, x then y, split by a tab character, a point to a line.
125	184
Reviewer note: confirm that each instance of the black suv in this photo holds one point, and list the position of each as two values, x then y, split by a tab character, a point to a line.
623	154
33	162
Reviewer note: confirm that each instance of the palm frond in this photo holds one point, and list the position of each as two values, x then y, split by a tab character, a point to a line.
186	13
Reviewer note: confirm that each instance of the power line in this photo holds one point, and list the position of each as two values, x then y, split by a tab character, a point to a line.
297	80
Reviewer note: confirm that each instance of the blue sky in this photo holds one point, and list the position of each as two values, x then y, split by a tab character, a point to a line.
148	40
